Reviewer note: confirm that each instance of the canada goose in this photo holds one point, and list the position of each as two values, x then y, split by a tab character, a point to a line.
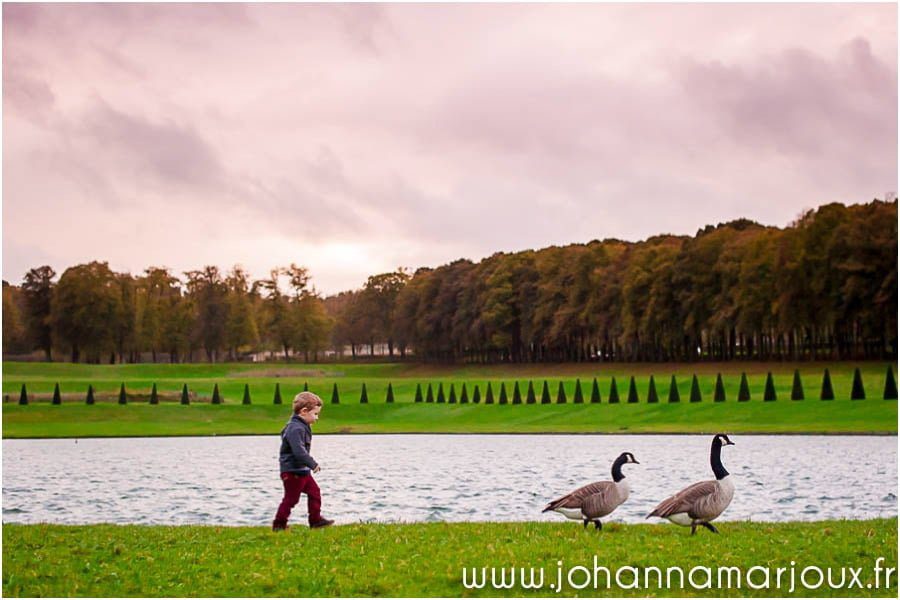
702	502
598	499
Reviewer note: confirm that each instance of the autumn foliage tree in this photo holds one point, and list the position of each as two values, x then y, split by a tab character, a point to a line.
822	288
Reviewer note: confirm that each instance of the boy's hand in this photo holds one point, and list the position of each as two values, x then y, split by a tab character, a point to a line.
317	469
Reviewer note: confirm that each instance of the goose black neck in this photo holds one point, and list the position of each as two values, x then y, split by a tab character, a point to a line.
617	469
715	460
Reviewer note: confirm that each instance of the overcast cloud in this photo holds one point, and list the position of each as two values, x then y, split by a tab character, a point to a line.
354	139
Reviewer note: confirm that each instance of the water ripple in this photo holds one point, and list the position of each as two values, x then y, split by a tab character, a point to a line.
403	479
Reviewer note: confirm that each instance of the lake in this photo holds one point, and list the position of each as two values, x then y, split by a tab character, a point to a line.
414	478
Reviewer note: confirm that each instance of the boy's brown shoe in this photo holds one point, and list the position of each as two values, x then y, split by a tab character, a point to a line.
322	523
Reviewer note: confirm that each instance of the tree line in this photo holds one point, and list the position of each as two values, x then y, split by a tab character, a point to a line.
92	314
824	287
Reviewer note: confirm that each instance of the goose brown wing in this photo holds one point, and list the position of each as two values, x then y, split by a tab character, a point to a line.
574	499
685	500
602	502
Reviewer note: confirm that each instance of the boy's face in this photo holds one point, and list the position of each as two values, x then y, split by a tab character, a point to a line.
311	415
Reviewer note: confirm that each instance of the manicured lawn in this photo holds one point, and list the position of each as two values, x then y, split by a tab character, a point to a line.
40	379
106	418
99	420
428	559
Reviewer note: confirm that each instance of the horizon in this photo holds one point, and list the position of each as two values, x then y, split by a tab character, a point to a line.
356	139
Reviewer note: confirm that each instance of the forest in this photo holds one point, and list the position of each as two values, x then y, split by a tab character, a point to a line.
822	288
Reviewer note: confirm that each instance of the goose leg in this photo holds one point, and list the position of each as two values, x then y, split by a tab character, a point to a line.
598	525
693	528
711	527
586	521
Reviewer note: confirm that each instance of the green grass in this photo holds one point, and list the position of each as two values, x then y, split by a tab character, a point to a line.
231	377
422	559
75	419
104	420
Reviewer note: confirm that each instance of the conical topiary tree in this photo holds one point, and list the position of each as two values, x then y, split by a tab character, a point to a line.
305	386
674	396
463	395
363	395
857	392
419	393
530	396
545	394
476	395
695	390
613	392
154	395
246	399
503	399
517	394
769	393
451	399
561	394
429	395
335	395
827	392
744	391
595	392
23	396
390	394
440	395
797	387
719	393
890	385
57	397
185	396
578	398
123	398
216	398
277	398
652	397
90	395
632	392
489	394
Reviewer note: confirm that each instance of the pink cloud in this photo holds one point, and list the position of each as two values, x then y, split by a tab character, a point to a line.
416	134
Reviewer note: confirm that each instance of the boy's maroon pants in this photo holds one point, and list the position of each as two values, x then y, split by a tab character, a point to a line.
294	485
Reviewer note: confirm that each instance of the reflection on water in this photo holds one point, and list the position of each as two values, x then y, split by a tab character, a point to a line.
393	478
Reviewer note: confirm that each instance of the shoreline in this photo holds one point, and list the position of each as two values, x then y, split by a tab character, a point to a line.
542	523
487	433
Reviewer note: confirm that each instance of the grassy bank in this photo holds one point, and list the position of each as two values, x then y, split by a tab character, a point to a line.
422	559
106	418
40	379
103	420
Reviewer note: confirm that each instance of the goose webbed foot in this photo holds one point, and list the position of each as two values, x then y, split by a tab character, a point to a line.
598	525
711	527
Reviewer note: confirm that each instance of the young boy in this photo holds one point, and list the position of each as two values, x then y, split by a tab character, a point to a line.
297	466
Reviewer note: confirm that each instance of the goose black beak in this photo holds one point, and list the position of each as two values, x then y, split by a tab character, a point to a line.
729	443
635	461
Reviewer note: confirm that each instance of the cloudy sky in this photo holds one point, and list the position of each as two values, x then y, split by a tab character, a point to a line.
354	139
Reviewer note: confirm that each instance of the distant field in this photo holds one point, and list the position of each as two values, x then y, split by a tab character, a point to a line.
427	559
231	378
106	418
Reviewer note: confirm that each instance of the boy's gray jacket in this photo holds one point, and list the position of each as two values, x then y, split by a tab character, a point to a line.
296	438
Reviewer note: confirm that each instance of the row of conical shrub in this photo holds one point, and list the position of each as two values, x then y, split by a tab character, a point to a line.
530	397
719	395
